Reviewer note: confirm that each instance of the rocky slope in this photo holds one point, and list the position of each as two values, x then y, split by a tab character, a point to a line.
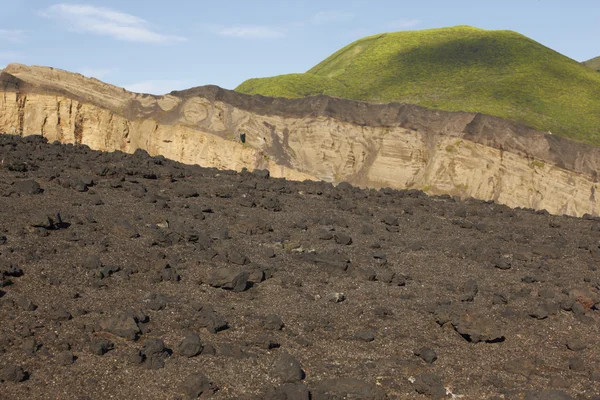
135	277
323	138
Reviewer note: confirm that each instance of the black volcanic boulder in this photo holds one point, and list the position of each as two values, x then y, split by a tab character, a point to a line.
28	187
346	388
229	278
124	325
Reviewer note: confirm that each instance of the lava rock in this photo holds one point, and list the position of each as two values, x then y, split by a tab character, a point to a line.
427	354
154	354
13	373
342	238
229	278
430	385
196	385
209	319
190	346
288	369
469	290
100	347
272	322
576	344
122	324
335	297
28	187
65	358
477	329
346	388
366	335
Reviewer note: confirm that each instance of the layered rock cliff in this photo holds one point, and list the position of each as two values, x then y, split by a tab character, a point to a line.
366	144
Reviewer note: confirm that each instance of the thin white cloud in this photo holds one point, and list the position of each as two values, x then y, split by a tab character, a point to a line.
12	35
323	17
107	22
97	73
155	86
403	24
247	31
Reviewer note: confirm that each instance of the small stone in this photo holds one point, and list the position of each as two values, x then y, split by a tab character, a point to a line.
499	299
342	238
229	278
122	325
288	369
197	384
190	346
13	373
576	364
430	385
154	353
366	335
65	358
336	297
469	290
541	312
28	187
427	354
125	229
576	344
390	220
578	309
100	347
272	322
91	262
25	304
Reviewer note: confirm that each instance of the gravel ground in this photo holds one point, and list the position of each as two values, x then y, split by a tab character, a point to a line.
135	277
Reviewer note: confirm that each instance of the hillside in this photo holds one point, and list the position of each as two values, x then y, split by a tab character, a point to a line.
317	138
594	63
501	73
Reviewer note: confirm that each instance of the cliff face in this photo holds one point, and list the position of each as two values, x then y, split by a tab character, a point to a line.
336	140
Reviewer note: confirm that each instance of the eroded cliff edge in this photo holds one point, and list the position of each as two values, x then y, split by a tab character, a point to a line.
332	139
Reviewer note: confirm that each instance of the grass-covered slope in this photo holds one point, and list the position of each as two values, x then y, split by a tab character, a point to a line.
501	73
594	63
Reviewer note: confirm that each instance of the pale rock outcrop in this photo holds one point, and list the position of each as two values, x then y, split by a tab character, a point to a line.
366	144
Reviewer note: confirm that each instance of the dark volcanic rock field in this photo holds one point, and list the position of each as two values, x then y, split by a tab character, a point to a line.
135	277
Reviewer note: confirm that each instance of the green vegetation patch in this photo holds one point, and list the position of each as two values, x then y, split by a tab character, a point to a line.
594	64
501	73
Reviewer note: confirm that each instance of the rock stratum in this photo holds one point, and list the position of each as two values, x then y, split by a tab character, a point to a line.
318	138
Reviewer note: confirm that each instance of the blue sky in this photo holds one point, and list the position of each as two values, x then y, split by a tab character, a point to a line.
158	46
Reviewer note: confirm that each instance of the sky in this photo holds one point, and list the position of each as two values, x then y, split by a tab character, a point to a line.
155	46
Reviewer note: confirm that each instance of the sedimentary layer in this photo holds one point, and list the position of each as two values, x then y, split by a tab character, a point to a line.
320	138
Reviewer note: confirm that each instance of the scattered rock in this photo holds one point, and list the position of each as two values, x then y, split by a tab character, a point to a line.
427	354
28	187
272	322
576	344
65	358
13	373
335	297
196	385
288	369
430	385
366	335
477	329
229	278
190	346
122	324
346	388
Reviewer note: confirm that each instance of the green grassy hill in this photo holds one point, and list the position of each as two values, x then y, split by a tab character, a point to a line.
594	63
462	68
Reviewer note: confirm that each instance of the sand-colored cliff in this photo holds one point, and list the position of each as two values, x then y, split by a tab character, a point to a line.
336	140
